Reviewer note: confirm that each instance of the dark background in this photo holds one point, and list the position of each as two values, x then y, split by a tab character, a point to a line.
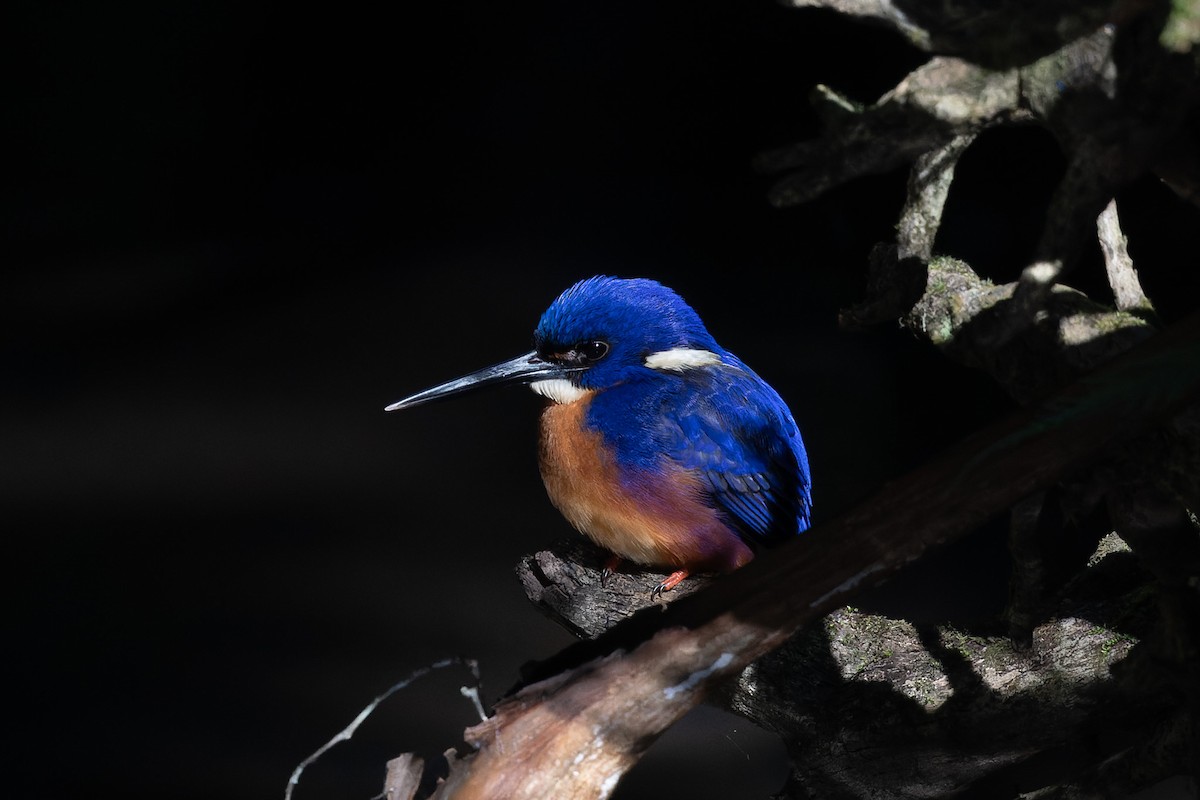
233	232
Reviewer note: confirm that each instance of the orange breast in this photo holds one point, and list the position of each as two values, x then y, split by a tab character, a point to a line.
652	518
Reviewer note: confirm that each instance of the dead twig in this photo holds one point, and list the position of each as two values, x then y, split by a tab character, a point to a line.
349	730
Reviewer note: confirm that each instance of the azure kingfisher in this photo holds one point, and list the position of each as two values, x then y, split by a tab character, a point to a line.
657	443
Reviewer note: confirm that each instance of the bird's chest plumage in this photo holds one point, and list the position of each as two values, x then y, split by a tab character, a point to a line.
653	514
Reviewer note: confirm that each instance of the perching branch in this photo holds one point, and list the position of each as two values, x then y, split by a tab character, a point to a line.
586	716
861	700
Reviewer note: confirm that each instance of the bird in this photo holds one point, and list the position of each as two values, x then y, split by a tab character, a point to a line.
655	442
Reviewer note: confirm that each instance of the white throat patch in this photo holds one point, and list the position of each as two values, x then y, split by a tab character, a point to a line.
560	390
679	359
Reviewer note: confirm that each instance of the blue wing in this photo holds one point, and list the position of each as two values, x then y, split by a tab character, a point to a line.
727	426
739	436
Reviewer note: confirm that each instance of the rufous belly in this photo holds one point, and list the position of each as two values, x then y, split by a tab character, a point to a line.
656	518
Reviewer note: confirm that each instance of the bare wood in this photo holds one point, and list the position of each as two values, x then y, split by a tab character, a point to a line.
1122	277
403	777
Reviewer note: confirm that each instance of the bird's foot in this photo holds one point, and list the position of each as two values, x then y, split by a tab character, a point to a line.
669	583
610	566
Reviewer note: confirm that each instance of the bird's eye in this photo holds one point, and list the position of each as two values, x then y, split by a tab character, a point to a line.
593	350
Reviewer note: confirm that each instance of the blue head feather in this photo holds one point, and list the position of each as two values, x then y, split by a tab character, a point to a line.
633	316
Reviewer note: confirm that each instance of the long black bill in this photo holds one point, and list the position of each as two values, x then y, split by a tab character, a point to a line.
523	369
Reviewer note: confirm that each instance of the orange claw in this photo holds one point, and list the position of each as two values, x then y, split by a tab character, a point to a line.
610	566
669	583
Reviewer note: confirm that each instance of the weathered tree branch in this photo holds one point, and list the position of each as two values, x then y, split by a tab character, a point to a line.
939	101
1114	89
587	715
997	35
1122	277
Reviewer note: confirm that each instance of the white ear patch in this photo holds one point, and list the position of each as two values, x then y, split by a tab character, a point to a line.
559	390
680	359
